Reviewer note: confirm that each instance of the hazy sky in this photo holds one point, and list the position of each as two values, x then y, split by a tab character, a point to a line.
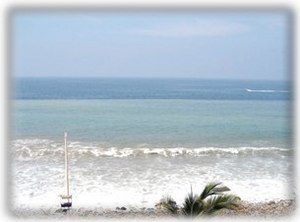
244	45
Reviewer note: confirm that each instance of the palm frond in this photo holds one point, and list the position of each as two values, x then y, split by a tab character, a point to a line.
209	201
191	206
209	190
213	189
218	202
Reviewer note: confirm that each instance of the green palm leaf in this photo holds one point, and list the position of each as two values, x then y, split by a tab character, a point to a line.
191	206
218	202
208	202
213	189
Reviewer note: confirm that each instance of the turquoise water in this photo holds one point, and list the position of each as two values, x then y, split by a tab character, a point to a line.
157	123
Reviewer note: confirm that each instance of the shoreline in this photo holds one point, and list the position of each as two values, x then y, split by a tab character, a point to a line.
281	208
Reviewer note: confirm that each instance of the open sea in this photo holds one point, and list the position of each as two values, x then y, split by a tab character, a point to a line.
133	141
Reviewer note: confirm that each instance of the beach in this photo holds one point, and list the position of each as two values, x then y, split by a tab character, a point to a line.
279	209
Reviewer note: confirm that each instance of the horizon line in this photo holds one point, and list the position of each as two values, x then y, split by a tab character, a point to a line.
146	77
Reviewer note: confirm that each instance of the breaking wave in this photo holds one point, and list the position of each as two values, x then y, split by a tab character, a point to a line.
38	148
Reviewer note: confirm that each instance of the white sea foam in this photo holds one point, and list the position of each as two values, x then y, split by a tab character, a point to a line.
110	177
148	192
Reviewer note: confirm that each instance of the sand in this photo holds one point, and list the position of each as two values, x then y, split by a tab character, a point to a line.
264	209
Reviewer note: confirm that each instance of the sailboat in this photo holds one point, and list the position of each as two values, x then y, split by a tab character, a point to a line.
66	199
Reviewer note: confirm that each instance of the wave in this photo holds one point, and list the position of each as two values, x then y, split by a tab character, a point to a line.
33	148
266	91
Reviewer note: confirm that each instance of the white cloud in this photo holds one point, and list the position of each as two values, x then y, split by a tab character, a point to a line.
194	29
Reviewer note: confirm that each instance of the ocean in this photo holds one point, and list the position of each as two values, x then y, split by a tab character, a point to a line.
133	141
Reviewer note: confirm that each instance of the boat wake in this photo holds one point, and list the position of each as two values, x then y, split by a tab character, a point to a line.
266	91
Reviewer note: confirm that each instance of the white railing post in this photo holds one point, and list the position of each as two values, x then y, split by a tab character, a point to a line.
66	167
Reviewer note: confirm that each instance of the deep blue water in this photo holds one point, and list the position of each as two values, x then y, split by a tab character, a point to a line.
60	88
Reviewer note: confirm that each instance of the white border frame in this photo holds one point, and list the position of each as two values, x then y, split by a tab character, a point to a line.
6	5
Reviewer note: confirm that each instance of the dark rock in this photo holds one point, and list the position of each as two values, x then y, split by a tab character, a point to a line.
123	208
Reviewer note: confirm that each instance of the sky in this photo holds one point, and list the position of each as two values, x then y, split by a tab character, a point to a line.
196	44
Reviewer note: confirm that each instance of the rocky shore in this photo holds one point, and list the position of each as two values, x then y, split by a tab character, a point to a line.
266	209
